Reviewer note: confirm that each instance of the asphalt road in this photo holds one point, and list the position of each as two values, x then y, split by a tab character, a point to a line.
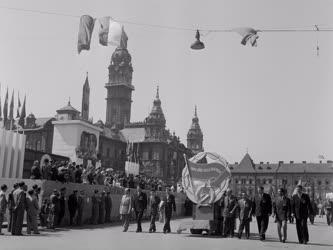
112	238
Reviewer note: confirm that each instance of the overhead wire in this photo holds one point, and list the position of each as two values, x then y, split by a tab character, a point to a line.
293	29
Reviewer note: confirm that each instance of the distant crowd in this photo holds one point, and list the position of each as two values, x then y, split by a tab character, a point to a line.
66	172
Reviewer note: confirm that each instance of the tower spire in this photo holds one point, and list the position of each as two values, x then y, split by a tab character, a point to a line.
195	111
158	92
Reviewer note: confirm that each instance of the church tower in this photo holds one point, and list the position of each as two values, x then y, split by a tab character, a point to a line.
194	135
119	89
85	100
155	122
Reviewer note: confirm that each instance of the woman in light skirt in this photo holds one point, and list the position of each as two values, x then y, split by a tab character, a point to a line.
125	209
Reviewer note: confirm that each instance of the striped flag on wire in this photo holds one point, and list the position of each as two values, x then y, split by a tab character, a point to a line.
18	105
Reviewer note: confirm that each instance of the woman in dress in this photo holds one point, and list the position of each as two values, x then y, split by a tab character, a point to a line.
125	209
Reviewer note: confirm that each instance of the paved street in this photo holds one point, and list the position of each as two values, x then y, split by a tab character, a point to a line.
321	237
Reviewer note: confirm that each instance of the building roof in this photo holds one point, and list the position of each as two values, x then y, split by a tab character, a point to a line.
134	134
266	168
68	108
40	122
306	168
245	166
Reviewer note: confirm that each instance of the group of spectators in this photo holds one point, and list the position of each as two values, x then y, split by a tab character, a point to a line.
19	201
66	172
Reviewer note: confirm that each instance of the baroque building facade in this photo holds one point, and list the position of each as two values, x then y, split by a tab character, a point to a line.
317	178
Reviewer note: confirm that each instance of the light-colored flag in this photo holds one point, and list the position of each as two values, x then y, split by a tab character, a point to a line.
110	32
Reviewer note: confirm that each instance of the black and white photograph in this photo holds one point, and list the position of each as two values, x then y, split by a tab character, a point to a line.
166	124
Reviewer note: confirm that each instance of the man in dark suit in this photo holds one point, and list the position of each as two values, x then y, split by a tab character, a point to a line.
301	208
262	210
154	201
72	206
19	197
139	206
245	214
11	205
229	205
282	212
170	205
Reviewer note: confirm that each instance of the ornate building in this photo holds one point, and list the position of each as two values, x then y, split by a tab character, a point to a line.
194	135
159	153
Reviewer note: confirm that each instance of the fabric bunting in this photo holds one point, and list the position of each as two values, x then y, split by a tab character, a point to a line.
249	35
85	31
111	33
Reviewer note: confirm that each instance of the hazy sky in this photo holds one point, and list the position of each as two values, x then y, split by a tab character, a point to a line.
276	99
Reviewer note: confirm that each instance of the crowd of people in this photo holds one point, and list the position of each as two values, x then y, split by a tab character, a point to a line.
66	172
50	214
298	207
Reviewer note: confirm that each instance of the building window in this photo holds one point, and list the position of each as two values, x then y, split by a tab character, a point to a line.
236	181
270	181
296	182
327	182
243	181
145	156
250	181
38	146
319	182
156	156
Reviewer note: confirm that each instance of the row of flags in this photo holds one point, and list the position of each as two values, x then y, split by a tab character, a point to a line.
8	115
110	32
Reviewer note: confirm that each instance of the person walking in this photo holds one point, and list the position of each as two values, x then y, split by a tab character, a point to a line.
19	196
281	212
80	206
301	208
169	206
262	210
125	209
32	212
154	201
139	206
245	215
108	207
11	205
328	211
3	205
72	206
229	205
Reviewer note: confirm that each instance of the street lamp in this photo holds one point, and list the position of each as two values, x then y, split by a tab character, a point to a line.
197	45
